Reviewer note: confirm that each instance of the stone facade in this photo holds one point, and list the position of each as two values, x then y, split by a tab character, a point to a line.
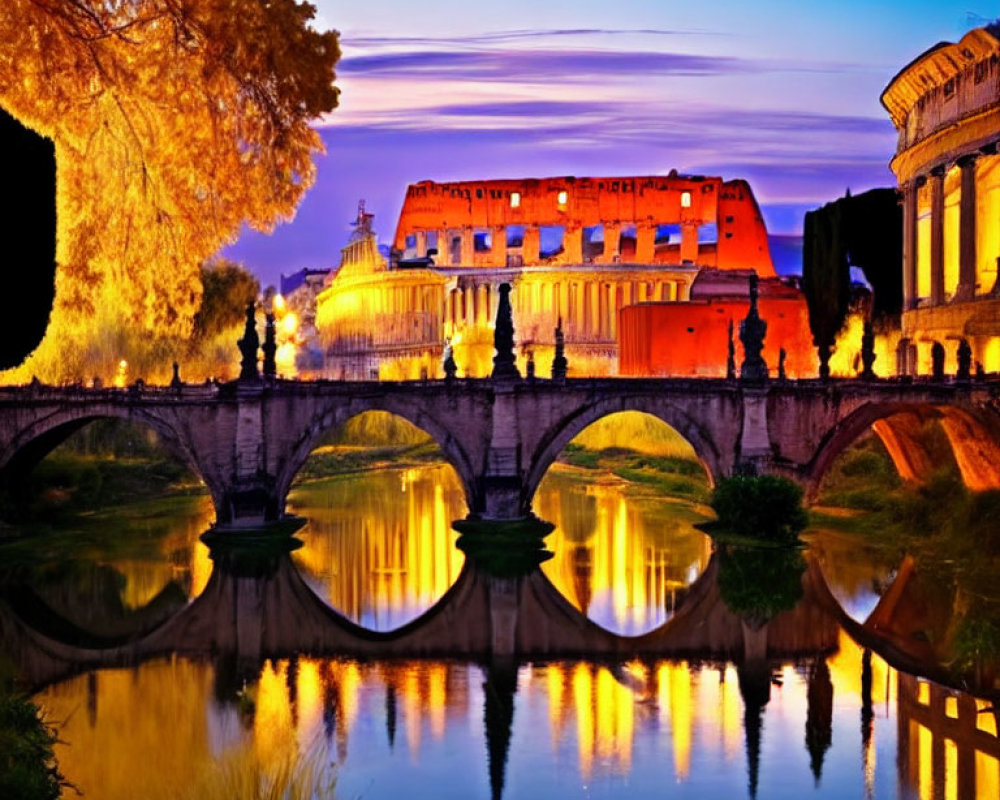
946	106
573	249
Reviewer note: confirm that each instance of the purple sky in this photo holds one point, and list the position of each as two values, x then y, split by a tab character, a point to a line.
784	94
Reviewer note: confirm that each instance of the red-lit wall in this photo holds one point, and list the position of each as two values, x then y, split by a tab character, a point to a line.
690	339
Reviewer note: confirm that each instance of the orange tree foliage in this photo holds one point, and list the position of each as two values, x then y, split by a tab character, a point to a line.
175	122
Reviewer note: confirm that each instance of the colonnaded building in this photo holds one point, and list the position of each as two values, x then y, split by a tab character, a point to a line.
946	106
577	250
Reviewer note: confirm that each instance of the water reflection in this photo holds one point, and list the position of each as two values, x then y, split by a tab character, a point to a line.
503	688
379	545
623	558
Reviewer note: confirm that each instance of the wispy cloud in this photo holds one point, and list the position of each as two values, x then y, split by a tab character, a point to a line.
537	65
526	34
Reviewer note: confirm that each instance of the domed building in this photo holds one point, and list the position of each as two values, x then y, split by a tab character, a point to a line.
945	105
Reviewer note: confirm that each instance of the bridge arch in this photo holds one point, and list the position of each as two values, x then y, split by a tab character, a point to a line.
22	453
973	434
567	428
337	414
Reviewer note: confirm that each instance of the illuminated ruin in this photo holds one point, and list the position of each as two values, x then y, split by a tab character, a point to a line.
575	249
945	106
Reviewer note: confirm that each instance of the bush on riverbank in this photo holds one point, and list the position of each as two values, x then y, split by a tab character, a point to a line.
764	507
28	767
67	483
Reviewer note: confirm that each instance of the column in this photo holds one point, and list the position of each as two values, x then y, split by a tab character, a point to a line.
645	242
572	245
602	311
689	242
937	235
421	243
909	246
498	255
967	231
531	244
468	247
612	241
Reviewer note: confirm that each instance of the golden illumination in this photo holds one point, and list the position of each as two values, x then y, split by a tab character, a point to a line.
121	375
383	542
950	233
987	223
616	558
987	775
166	145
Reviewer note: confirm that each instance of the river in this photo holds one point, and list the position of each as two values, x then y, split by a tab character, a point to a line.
172	670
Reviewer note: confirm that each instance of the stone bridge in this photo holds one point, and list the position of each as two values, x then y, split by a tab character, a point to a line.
247	440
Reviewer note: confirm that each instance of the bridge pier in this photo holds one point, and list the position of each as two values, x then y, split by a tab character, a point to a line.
503	492
755	451
250	498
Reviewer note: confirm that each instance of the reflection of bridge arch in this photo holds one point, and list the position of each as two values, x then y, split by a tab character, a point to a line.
973	434
21	454
554	441
338	414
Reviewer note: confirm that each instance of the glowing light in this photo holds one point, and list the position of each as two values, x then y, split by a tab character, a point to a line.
289	323
515	199
278	304
385	555
563	197
121	375
987	775
685	199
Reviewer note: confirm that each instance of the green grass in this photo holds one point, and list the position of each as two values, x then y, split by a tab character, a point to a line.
666	475
332	460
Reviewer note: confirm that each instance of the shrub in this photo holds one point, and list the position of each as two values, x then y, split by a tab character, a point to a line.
760	507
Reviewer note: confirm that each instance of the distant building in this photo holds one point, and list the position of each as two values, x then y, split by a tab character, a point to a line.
575	249
298	294
691	339
946	106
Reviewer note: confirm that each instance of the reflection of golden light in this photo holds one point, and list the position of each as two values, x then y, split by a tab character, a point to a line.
616	556
925	744
437	678
951	706
121	374
674	682
845	669
309	701
986	720
923	692
987	775
950	770
585	733
555	680
385	555
273	716
122	719
201	568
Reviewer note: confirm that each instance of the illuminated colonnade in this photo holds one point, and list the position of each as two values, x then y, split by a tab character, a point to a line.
573	249
945	107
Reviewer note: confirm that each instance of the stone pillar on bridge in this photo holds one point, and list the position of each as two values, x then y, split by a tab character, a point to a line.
250	498
503	481
755	440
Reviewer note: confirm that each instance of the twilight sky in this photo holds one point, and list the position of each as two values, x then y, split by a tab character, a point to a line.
781	92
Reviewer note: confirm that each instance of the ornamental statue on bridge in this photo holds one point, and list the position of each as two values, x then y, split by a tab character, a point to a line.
752	331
